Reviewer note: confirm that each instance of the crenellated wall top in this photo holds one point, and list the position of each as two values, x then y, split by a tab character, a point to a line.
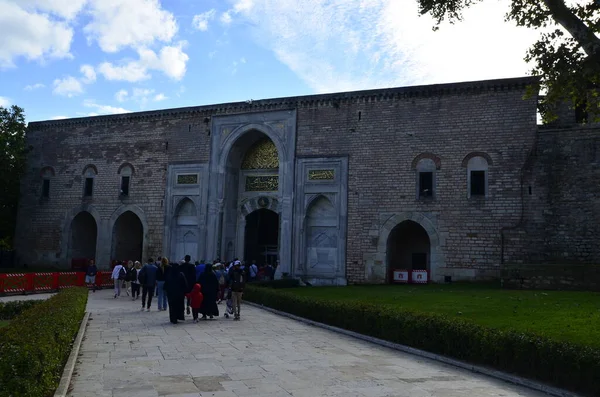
318	100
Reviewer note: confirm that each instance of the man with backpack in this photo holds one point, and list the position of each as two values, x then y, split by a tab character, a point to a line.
118	275
236	282
147	278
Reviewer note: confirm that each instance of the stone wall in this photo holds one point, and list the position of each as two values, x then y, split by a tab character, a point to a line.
562	204
382	133
106	143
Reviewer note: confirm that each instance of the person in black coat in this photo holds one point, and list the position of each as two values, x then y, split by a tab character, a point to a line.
189	271
210	289
176	287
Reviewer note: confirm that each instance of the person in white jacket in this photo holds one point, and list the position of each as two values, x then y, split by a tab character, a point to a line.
118	275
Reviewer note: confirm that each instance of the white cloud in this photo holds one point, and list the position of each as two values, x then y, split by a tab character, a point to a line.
59	117
71	86
68	86
32	87
200	21
171	60
242	60
131	71
349	44
121	95
67	9
140	95
103	109
226	17
89	74
117	24
5	102
31	35
212	54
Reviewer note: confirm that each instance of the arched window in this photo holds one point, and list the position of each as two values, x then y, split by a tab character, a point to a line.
47	174
89	174
425	166
126	172
477	174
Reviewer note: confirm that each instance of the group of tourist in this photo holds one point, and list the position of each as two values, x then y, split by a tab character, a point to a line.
195	288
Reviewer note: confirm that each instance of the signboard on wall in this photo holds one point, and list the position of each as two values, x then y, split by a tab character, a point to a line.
419	277
400	276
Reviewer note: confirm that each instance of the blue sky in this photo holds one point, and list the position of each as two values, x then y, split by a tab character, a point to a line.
74	58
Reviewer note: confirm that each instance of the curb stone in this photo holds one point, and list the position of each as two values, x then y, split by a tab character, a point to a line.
519	381
65	380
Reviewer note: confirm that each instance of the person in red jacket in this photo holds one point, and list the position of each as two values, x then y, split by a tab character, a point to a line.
196	298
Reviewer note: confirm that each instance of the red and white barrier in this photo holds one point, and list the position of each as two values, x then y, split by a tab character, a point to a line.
43	282
400	276
15	283
419	277
22	283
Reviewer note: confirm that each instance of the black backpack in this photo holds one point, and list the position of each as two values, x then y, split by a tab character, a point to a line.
122	273
237	280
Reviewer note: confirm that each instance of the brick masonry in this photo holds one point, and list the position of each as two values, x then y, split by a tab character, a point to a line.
381	133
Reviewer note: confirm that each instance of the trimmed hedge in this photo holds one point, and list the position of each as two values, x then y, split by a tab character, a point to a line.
35	346
10	310
561	364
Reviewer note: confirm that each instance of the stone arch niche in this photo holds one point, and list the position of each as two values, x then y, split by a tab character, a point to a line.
376	264
252	162
321	248
185	233
408	247
83	238
252	171
128	238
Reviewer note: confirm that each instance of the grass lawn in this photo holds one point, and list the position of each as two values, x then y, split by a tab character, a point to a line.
564	315
4	323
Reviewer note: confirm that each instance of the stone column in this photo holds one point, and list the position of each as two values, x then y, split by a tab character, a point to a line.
241	237
286	175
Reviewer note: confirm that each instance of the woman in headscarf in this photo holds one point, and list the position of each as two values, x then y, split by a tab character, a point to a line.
210	289
176	288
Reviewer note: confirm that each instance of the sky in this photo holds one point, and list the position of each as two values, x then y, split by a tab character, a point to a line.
76	58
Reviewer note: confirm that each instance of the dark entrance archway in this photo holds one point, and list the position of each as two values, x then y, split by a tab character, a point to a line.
262	236
128	237
84	233
408	247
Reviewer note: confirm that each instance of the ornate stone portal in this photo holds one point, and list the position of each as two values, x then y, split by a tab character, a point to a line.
253	176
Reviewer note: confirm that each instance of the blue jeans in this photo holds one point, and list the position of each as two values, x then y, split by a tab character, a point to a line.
162	296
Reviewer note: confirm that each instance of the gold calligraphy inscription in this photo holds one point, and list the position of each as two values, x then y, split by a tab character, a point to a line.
262	155
187	179
265	183
321	175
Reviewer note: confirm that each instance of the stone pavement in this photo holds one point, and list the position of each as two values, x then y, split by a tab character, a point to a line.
130	353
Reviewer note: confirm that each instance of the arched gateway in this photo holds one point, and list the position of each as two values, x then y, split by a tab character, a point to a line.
250	195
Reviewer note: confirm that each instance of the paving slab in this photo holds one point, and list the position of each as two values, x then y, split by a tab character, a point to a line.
127	352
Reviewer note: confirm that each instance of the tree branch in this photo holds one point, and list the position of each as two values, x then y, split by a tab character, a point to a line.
583	34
